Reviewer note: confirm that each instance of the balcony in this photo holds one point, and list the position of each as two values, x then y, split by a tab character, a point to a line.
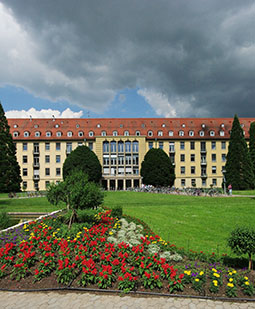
36	164
171	150
203	162
203	175
36	151
203	150
36	177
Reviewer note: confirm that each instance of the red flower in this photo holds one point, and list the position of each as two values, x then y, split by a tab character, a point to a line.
120	278
36	271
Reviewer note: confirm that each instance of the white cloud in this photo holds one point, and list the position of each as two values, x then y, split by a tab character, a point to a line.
43	113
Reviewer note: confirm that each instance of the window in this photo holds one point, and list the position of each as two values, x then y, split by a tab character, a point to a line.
47	159
24	159
163	125
192	158
201	133
69	133
222	133
37	134
150	133
24	185
47	183
181	133
192	145
128	159
135	159
47	171
91	133
115	133
214	182
212	133
80	144
214	170
47	146
58	158
183	182
172	157
182	145
183	125
121	160
59	134
36	148
113	147
171	146
91	145
137	133
171	133
182	169
193	182
58	146
26	134
56	125
15	134
106	160
213	145
120	146
193	170
126	133
202	146
77	126
80	133
69	147
160	133
103	133
15	125
161	145
24	146
223	157
24	172
182	158
128	146
135	146
150	145
223	145
98	125
105	147
58	171
213	157
191	133
203	182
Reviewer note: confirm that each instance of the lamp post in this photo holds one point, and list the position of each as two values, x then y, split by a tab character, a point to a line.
224	180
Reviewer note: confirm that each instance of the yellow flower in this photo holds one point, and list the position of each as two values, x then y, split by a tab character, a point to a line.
196	279
245	278
216	275
201	273
187	272
231	285
230	279
234	271
214	270
230	273
246	283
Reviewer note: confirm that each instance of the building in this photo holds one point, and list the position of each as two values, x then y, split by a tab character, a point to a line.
197	147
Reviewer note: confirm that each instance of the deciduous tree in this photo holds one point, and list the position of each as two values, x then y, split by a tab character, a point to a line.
252	146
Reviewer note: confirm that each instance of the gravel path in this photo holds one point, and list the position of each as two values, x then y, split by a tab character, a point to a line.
56	300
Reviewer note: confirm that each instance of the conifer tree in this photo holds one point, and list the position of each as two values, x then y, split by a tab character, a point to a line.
157	169
238	166
9	168
252	146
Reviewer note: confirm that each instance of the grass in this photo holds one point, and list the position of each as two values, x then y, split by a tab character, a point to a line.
244	192
197	223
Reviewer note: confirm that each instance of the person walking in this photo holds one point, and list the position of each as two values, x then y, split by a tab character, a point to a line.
230	189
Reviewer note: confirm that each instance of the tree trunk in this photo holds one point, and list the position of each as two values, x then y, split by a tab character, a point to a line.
250	261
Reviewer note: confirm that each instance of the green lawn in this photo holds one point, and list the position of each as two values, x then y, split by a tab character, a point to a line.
35	204
197	223
244	192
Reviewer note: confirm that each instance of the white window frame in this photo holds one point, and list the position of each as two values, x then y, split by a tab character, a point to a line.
91	133
160	133
137	133
115	133
201	133
171	133
69	133
59	134
80	133
103	133
126	133
222	133
37	134
212	133
191	133
26	134
48	134
181	133
150	133
15	134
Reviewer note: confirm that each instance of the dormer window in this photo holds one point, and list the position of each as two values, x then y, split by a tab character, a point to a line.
56	125
48	134
98	125
191	133
115	133
163	125
91	133
36	126
126	133
103	133
59	134
181	133
150	133
77	126
37	134
171	133
69	134
15	125
222	133
160	133
26	134
222	125
212	133
137	133
15	134
80	133
183	125
203	125
202	133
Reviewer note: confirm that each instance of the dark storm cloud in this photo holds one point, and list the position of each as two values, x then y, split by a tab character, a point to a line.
200	55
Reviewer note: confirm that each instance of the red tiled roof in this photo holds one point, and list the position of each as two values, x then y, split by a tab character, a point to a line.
144	125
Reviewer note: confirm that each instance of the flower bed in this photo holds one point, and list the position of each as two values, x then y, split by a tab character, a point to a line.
111	254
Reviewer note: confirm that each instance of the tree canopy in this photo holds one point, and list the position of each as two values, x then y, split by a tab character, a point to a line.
238	166
157	169
10	178
84	159
252	145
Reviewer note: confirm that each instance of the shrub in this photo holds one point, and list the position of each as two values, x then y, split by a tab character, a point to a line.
242	241
117	211
4	220
87	215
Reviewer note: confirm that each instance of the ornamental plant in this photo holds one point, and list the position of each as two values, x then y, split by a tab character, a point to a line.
151	280
127	282
246	285
198	281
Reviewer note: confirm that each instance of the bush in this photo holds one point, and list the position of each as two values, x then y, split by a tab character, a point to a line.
117	211
242	241
87	215
5	221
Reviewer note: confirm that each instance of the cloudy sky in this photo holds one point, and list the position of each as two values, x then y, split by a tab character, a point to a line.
115	58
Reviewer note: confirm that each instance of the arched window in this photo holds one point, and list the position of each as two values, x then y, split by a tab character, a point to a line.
160	133
150	133
26	134
37	134
128	146
59	134
113	146
103	133
105	147
48	134
80	133
91	133
191	133
137	133
135	146
15	134
201	133
120	146
69	133
126	133
212	133
171	133
181	133
115	133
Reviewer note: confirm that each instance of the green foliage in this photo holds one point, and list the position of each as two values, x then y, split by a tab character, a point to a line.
5	221
83	159
87	215
242	241
157	169
238	166
252	145
9	168
117	211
